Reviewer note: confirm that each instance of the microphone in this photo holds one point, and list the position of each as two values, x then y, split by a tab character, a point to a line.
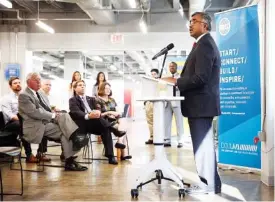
163	51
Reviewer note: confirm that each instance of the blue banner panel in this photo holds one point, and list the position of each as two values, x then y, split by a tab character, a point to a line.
240	89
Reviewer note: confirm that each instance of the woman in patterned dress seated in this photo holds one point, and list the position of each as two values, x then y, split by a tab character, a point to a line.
110	112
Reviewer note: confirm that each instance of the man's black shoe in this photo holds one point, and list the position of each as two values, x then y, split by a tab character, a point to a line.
149	142
117	133
112	160
218	189
71	165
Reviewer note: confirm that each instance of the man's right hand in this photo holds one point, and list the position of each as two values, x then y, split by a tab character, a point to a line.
15	118
95	114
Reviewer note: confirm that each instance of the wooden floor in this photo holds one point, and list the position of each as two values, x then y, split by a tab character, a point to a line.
106	182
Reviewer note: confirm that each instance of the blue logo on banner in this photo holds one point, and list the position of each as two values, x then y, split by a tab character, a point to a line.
12	70
240	89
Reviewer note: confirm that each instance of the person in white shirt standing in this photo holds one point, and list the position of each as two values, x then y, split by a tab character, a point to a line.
173	108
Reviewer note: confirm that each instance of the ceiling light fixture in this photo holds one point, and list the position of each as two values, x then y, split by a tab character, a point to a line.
181	11
6	3
142	23
61	66
120	72
133	3
97	58
34	57
143	26
113	67
43	25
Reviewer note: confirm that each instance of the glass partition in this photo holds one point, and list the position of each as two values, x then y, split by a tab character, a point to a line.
123	70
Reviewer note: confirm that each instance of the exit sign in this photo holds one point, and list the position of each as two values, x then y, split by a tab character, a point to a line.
117	38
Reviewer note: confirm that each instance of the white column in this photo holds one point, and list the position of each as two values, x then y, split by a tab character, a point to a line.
267	154
13	50
72	62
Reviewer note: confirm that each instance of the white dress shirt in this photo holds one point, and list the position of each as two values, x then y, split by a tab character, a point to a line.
197	40
86	105
9	106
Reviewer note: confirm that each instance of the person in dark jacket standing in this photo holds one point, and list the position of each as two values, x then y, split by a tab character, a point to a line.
199	84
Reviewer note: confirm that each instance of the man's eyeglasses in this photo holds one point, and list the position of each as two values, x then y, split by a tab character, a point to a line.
192	22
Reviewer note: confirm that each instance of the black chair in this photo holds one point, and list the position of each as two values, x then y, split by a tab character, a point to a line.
2	121
21	137
8	155
39	164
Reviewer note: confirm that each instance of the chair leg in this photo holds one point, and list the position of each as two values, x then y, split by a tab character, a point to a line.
21	170
2	194
127	144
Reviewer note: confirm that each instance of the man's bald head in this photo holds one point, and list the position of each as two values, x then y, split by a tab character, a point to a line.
46	86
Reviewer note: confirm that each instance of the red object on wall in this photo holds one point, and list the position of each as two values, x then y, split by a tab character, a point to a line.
256	140
128	100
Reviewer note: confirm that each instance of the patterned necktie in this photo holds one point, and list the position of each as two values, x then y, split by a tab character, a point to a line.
42	103
86	105
174	87
194	45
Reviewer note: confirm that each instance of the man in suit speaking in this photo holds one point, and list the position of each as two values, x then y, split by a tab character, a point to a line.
199	84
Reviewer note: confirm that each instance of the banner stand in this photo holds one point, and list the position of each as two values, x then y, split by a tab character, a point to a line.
240	85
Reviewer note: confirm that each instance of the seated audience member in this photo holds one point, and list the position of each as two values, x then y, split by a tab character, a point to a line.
39	121
85	111
45	91
109	112
10	110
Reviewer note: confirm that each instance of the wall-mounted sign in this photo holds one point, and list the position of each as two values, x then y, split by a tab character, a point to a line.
117	38
12	70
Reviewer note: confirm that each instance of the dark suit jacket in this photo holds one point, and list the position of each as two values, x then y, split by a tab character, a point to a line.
77	112
77	108
199	81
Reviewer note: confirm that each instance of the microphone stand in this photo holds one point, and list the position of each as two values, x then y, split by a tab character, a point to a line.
163	63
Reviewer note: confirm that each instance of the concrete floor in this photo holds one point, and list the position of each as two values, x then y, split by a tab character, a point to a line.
106	182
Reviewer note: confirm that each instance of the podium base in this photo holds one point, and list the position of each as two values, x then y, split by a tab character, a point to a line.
163	170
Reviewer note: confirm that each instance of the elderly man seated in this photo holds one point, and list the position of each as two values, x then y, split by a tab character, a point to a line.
39	121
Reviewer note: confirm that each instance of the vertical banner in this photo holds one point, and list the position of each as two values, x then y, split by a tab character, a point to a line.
240	88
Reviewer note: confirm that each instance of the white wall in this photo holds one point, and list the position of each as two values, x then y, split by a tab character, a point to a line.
268	46
101	41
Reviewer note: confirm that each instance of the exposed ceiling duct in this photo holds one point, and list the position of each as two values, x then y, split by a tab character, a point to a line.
196	6
55	4
102	17
27	5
